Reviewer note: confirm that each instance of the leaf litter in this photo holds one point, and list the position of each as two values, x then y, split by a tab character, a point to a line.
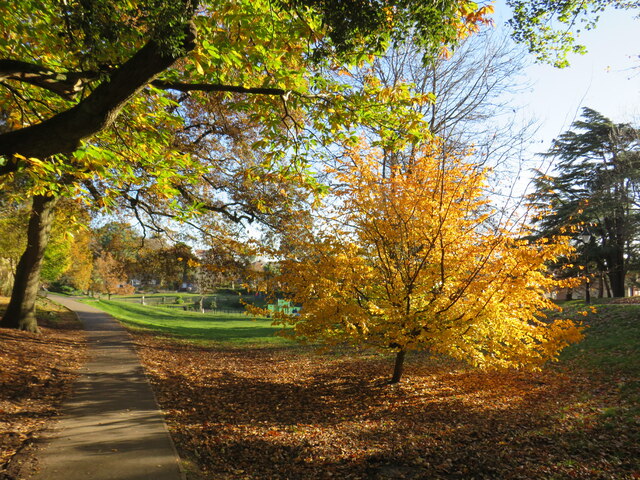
36	373
292	413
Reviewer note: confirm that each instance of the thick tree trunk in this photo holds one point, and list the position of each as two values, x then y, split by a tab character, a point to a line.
617	284
398	367
617	274
63	132
21	311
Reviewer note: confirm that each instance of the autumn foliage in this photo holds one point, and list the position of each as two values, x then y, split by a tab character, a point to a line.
109	277
418	259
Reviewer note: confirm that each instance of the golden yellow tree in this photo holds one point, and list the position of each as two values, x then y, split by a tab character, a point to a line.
420	260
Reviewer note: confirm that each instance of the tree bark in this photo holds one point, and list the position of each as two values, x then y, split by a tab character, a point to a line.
587	291
21	311
616	278
600	285
607	284
65	84
63	132
398	367
617	273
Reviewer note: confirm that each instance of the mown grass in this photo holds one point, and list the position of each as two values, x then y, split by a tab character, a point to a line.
610	350
612	338
226	298
235	329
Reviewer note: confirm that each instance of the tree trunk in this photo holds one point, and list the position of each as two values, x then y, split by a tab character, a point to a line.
600	286
617	274
587	291
398	367
617	285
21	311
63	132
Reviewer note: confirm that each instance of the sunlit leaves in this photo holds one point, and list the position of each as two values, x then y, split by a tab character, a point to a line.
418	259
550	28
296	47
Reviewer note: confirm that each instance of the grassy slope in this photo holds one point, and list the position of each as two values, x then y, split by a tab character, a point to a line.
612	339
225	299
231	328
611	348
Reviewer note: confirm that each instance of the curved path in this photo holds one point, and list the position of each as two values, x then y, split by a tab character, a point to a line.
111	427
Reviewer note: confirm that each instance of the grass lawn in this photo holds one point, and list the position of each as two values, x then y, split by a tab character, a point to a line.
207	328
612	340
237	410
225	299
611	348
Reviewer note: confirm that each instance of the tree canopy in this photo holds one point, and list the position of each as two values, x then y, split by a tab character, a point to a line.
120	102
72	70
550	28
97	98
594	192
418	260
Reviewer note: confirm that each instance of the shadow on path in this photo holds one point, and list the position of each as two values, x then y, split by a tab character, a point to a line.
111	427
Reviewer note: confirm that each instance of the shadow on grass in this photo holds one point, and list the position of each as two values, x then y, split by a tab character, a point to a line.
283	416
194	326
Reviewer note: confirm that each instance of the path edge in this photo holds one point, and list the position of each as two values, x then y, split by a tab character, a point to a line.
181	467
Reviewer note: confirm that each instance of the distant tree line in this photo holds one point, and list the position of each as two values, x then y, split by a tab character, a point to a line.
115	258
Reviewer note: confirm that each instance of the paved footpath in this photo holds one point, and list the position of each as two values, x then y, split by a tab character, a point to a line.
111	427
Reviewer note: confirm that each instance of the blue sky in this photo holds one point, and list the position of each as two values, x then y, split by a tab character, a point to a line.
606	79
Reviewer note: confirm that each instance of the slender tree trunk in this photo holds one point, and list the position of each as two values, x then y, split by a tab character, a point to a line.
21	311
600	286
587	291
398	367
608	286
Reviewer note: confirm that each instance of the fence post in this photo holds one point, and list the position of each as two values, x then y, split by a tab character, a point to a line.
142	300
